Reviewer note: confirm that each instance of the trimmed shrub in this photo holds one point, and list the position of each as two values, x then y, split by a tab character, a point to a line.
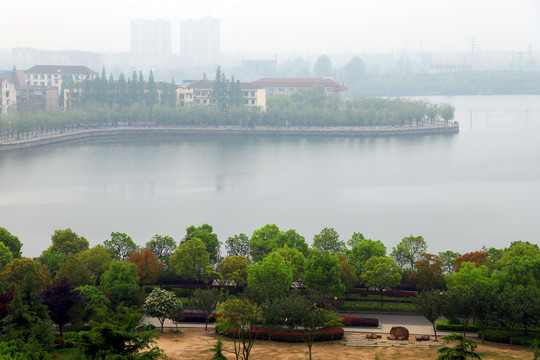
407	287
278	334
446	325
392	293
503	336
196	317
361	322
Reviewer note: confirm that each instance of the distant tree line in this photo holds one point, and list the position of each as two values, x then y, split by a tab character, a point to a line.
100	102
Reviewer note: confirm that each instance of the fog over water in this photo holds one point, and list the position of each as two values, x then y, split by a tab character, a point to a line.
481	187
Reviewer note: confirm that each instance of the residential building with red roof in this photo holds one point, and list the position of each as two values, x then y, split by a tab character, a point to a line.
289	86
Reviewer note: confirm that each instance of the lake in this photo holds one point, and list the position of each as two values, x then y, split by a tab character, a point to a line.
460	192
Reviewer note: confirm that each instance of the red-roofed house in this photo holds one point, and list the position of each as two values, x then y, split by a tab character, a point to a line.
289	86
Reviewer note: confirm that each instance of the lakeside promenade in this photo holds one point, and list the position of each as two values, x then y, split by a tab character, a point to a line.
37	139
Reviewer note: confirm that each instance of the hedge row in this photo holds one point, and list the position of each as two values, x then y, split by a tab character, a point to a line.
393	293
262	333
376	306
196	317
503	336
361	322
446	325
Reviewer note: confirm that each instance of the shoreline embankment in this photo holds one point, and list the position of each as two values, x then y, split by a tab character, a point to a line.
359	131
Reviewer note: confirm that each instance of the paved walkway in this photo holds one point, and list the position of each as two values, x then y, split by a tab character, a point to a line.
416	324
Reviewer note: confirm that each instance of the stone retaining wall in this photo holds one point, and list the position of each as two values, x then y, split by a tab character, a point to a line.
231	130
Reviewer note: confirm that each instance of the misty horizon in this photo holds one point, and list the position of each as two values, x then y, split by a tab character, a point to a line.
339	27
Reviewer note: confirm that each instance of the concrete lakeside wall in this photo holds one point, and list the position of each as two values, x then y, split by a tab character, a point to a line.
232	130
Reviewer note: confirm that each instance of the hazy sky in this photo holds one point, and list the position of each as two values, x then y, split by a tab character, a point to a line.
314	26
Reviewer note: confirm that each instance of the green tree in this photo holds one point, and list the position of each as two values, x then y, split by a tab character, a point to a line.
448	258
381	273
16	272
238	245
457	305
205	233
363	250
353	73
162	304
349	279
53	261
234	269
323	274
297	261
469	276
240	316
6	256
465	349
28	325
429	304
61	298
261	242
76	271
207	301
447	112
520	306
323	66
293	240
328	240
120	281
218	350
151	95
408	251
67	242
120	246
485	306
113	339
162	246
191	260
97	259
11	241
271	278
97	307
315	320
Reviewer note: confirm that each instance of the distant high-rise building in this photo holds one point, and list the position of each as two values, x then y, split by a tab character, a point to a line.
200	40
151	38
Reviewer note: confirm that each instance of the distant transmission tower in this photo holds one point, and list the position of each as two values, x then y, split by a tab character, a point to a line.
529	57
474	52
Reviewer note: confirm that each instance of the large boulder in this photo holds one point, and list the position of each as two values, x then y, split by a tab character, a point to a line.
400	332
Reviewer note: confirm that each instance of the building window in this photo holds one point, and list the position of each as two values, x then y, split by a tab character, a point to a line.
48	76
291	89
246	102
253	93
281	89
329	90
246	93
252	102
271	89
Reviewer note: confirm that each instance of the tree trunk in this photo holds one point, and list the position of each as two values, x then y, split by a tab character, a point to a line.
309	346
206	323
434	330
381	297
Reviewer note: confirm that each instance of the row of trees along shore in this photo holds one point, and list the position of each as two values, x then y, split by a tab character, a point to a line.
272	277
108	102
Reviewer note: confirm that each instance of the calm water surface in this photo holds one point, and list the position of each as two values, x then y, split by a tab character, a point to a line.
481	187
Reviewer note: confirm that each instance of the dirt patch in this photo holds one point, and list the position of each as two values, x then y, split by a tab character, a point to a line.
195	343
